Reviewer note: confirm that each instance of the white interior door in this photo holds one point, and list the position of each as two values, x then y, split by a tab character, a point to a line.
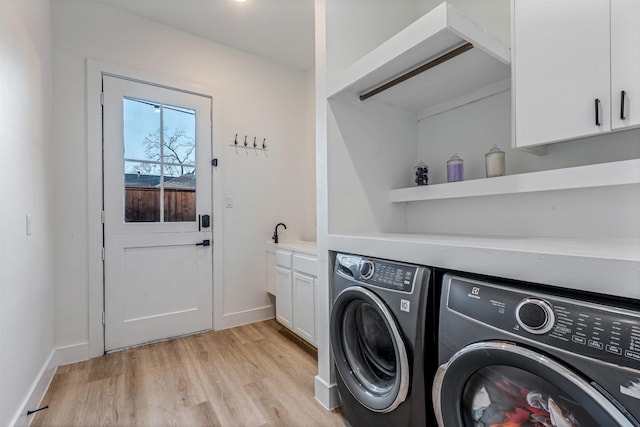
157	190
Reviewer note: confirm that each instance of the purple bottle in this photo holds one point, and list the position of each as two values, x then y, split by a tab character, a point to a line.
455	169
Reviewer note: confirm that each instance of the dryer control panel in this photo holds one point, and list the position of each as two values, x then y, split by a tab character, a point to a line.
387	275
603	332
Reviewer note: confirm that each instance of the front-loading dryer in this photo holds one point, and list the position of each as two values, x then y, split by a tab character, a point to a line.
521	354
382	333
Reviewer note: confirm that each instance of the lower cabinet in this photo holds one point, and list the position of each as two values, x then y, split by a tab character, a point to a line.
295	282
284	296
304	306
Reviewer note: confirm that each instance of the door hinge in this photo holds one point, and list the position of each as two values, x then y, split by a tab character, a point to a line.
102	216
103	254
101	98
103	318
214	162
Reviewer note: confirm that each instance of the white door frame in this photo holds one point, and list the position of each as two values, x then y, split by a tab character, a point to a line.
94	70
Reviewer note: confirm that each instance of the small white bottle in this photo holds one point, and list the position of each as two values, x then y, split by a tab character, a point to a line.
494	161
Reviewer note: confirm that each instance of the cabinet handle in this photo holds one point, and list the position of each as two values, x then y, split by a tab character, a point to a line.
598	112
623	95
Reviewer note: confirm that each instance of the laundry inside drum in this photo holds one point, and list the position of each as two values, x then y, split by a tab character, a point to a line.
500	396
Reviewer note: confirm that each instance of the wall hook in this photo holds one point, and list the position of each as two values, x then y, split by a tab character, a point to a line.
247	145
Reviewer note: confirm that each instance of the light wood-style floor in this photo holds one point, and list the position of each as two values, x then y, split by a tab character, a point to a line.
252	375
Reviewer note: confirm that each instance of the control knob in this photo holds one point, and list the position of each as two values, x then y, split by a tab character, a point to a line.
535	316
366	270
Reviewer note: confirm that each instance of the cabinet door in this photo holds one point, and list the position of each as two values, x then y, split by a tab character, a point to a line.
625	63
284	297
560	67
304	306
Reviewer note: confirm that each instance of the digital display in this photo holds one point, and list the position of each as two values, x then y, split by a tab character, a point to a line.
393	276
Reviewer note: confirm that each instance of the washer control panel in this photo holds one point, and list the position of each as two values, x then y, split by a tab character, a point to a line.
387	275
594	330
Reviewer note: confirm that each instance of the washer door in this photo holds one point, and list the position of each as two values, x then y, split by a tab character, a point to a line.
500	382
369	352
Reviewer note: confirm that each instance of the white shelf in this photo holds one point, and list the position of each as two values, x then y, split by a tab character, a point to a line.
598	175
434	34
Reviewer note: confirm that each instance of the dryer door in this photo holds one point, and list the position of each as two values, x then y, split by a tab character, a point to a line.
499	382
369	351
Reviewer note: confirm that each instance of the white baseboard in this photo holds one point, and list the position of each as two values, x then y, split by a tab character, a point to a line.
36	393
326	394
59	356
231	320
71	354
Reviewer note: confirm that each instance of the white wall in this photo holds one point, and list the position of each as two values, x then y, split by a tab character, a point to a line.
494	16
369	147
355	27
252	96
308	159
324	383
26	262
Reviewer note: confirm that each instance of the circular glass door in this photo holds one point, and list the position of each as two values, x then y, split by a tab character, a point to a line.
503	384
504	394
369	352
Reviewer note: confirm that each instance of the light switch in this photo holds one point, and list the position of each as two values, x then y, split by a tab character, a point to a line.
228	201
28	225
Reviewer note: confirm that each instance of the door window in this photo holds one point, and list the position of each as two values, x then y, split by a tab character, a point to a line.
159	162
509	396
369	351
369	346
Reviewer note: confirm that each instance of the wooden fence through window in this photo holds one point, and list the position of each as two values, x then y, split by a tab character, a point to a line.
142	204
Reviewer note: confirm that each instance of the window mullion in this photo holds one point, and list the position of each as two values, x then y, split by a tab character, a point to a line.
161	164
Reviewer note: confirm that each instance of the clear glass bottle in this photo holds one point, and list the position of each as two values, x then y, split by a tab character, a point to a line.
494	161
455	169
421	175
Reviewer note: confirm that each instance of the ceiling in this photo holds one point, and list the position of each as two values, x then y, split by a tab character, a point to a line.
280	30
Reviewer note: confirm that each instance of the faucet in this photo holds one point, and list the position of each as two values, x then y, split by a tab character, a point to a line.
275	233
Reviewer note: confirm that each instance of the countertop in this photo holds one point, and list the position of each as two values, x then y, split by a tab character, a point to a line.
606	266
303	246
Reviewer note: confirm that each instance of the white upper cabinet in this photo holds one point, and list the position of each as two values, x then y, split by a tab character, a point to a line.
625	63
571	62
459	57
560	69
